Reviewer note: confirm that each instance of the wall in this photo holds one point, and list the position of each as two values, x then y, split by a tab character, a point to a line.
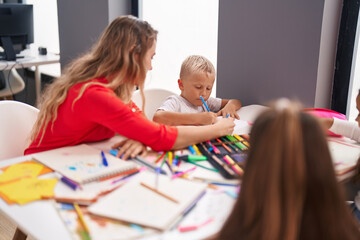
82	21
271	49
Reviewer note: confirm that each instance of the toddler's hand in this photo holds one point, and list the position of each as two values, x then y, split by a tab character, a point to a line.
228	110
130	148
207	118
226	125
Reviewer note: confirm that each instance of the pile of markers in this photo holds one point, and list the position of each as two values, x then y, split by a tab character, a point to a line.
226	155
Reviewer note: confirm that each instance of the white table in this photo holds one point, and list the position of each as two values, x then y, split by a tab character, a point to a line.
31	61
41	220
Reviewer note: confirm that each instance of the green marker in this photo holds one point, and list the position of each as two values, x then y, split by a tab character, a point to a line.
196	157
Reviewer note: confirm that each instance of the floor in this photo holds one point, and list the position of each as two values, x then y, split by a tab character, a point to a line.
7	229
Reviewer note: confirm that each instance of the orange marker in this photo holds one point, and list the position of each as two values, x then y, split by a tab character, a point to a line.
226	147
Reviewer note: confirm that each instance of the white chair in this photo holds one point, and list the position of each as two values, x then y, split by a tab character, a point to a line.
13	83
153	99
16	122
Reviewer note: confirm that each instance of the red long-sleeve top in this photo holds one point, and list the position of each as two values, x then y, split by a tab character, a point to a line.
98	115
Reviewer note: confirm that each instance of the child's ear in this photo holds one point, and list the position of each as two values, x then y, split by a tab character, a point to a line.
181	85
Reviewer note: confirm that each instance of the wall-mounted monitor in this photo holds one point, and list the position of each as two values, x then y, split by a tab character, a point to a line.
16	29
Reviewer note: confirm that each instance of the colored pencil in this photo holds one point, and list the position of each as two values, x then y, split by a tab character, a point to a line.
160	193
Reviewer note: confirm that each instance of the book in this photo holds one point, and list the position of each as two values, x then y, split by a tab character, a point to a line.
99	227
140	205
344	155
83	164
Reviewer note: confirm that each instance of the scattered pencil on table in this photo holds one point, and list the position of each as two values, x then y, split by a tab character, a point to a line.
104	160
182	173
160	157
157	178
194	227
70	183
160	193
81	217
206	106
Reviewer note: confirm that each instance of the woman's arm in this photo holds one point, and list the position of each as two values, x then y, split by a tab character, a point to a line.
176	118
189	135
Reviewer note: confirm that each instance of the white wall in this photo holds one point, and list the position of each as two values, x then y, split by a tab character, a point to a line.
186	27
46	31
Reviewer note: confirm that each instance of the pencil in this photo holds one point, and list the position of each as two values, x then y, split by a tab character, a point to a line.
160	193
206	106
226	147
81	217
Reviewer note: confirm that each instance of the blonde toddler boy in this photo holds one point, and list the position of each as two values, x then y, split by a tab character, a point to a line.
197	76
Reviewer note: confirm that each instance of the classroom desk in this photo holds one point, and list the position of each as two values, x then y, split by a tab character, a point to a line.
41	220
31	61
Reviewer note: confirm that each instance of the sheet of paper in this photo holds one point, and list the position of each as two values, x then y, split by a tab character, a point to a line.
28	189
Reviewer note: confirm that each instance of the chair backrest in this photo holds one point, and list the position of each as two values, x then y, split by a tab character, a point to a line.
153	99
13	83
16	122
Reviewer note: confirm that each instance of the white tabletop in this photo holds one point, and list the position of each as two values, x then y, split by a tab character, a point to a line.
41	220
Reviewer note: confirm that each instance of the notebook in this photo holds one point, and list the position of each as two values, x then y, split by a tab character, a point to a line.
83	163
137	204
344	155
99	228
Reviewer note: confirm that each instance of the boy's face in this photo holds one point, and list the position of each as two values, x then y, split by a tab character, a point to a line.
196	85
358	108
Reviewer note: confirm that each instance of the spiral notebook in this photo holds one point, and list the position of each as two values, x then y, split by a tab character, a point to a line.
134	203
83	163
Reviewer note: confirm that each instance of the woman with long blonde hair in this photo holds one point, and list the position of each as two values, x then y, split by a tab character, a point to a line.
289	190
91	101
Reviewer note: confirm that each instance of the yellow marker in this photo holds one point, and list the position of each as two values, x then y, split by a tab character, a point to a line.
170	158
241	140
81	217
234	165
197	150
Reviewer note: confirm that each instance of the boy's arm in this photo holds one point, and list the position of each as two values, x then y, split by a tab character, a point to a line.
229	106
176	118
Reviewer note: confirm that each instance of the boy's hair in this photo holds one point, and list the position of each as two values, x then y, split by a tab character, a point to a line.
289	190
196	64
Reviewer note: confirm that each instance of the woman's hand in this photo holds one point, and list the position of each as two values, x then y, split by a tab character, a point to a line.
130	148
226	126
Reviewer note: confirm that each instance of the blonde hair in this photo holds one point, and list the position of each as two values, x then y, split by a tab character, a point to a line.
118	56
196	64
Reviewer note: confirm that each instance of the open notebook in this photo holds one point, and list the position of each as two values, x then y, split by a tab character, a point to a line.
344	155
137	204
82	163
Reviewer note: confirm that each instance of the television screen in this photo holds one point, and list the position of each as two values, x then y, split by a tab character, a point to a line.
16	28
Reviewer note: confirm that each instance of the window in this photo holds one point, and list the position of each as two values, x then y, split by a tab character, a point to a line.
46	31
186	27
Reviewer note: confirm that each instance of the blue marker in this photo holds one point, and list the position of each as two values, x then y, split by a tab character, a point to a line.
227	115
192	150
69	183
207	108
104	161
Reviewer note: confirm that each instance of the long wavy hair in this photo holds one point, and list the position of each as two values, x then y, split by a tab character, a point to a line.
289	189
118	56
